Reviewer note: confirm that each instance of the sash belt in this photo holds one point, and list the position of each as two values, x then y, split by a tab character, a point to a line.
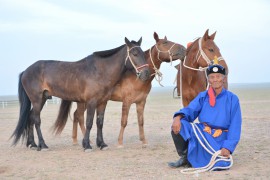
217	132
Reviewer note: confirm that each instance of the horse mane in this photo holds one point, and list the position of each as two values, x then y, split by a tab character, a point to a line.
108	53
111	52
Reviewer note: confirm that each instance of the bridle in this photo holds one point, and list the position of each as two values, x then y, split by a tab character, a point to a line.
157	73
202	54
137	69
168	51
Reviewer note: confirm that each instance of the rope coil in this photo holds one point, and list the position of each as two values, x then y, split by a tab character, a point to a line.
216	157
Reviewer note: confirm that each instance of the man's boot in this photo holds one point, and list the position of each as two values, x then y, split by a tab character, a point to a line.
181	147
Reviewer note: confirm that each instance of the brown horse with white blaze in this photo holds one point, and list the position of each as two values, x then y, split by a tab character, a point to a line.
191	75
88	81
129	90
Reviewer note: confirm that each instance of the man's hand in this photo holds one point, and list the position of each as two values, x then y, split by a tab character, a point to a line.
176	125
225	152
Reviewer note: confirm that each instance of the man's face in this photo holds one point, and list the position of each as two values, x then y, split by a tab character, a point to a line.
216	80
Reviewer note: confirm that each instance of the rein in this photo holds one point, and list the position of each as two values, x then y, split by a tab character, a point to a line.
158	74
136	68
216	157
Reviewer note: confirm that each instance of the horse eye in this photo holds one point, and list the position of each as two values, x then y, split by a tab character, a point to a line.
165	42
211	50
135	54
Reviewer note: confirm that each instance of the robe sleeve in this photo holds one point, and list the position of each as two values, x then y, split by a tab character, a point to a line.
234	130
191	112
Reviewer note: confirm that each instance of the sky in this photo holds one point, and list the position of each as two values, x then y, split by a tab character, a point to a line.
70	30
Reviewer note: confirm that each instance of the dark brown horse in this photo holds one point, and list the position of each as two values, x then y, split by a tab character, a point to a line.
191	76
88	81
129	90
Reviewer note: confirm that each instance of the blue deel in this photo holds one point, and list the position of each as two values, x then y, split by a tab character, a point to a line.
225	115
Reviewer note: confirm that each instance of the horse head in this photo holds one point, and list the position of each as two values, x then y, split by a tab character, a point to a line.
207	50
137	59
167	50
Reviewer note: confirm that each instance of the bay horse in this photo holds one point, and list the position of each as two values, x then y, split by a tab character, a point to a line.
191	75
88	81
129	90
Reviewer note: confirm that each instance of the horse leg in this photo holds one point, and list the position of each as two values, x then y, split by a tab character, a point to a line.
82	108
30	139
140	110
100	119
125	111
78	118
75	127
89	123
37	107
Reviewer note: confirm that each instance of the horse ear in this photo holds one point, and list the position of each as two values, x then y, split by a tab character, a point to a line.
206	36
156	37
128	43
140	41
213	35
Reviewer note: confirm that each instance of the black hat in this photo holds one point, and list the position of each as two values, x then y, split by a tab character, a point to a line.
216	68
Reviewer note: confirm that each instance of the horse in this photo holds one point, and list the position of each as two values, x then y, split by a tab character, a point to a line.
88	81
129	91
191	74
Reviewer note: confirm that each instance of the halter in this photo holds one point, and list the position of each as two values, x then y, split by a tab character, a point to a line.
200	54
158	74
168	51
136	68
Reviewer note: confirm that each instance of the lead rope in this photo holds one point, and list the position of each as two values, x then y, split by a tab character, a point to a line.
180	79
157	74
216	157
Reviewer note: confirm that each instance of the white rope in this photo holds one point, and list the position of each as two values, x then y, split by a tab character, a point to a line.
180	79
128	57
168	51
216	157
158	74
200	53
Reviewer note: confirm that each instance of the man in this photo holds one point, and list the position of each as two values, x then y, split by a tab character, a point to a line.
219	115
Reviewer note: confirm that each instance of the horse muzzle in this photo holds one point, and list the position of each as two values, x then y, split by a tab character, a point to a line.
143	72
180	54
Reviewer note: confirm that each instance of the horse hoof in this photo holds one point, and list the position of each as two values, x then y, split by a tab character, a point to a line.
32	147
44	149
75	143
104	148
88	150
120	146
144	145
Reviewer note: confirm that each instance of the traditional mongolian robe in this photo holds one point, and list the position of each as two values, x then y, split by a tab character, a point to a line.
225	115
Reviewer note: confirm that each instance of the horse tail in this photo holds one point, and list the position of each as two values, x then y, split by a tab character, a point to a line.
62	116
23	125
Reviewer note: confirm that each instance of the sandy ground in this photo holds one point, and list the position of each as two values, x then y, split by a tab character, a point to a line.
66	161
